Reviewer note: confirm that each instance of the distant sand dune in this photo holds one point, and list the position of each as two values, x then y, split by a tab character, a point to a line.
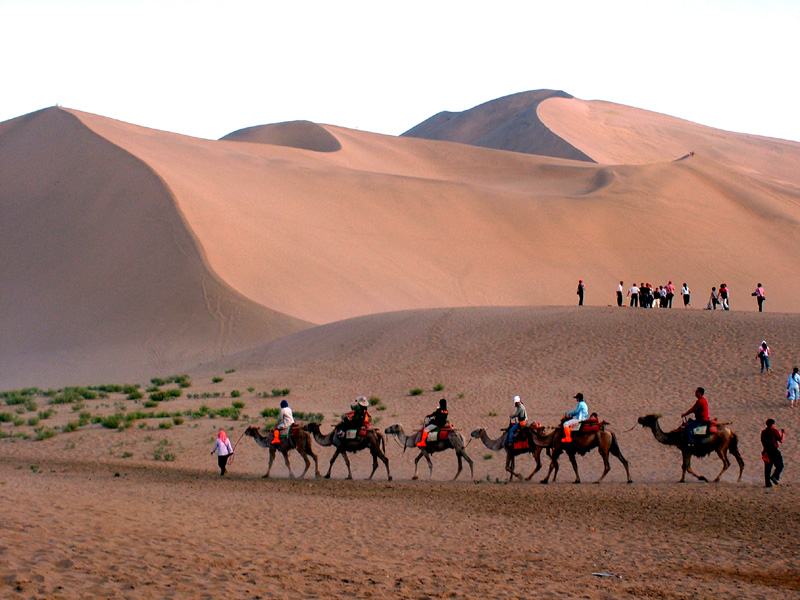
295	134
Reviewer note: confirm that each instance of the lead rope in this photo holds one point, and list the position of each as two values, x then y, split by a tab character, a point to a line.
233	454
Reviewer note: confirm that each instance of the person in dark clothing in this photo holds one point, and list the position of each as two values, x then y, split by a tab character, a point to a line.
436	420
771	439
581	287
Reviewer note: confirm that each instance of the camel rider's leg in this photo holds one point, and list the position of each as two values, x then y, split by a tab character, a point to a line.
276	437
511	433
690	431
423	439
568	430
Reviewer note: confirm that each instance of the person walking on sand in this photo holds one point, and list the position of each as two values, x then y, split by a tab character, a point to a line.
763	356
793	387
670	289
633	294
724	295
687	296
771	439
580	291
224	451
713	299
759	294
619	294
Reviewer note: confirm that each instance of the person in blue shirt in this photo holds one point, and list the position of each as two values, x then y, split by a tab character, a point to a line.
581	413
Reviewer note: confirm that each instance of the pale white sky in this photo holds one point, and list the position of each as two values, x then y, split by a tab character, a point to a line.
206	68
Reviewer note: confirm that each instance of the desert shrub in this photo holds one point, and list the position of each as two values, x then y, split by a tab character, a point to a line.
84	418
113	421
238	404
127	454
488	456
374	400
416	391
177	420
33	421
129	388
112	388
78	406
380	407
71	426
235	393
157	381
281	392
492	413
152	388
270	413
150	403
251	389
70	395
217	380
18	421
30	404
14	397
438	387
6	417
229	371
135	395
158	396
43	433
165	425
309	416
162	451
185	383
174	393
227	412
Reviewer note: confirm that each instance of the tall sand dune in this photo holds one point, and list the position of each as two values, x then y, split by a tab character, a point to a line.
274	226
101	277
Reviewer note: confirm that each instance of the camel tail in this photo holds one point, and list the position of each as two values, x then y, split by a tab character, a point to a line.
734	449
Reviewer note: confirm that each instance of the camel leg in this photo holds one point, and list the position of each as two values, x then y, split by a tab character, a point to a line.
385	460
738	457
510	464
271	458
606	466
430	465
286	460
333	460
471	466
416	465
687	468
575	466
723	456
374	463
537	457
460	465
616	452
308	463
347	462
553	468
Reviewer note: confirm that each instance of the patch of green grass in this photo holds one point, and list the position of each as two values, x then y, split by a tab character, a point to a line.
217	380
158	396
158	382
276	392
416	392
43	433
150	404
488	456
84	418
135	395
33	421
374	400
162	451
177	420
308	416
19	422
235	393
238	404
6	417
127	454
71	426
165	425
267	413
251	389
229	371
492	413
113	421
438	387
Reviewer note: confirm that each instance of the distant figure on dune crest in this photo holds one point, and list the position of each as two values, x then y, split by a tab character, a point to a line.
619	294
224	451
581	288
763	356
633	294
771	439
687	296
793	387
759	294
713	299
724	296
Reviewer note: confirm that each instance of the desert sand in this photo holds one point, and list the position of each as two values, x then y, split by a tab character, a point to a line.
93	513
324	263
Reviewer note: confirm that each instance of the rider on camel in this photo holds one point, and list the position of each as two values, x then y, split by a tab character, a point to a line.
436	420
521	417
285	420
581	413
701	414
359	418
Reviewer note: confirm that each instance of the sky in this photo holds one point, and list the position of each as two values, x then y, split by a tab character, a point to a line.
206	68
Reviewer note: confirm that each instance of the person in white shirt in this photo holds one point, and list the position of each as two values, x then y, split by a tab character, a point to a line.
619	294
285	420
224	451
634	295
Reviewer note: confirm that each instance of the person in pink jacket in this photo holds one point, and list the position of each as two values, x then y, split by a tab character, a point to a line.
224	451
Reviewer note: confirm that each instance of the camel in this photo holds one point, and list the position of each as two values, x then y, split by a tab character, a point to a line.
300	440
511	454
453	440
604	441
721	442
373	440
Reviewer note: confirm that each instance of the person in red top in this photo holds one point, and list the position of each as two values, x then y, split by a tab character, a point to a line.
771	438
700	411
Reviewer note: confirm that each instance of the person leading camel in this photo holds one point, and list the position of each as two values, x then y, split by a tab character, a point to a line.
580	413
521	417
436	420
224	451
701	414
285	420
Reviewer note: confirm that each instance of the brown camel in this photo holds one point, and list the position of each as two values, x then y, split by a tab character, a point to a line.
301	440
604	441
373	441
511	454
453	441
721	442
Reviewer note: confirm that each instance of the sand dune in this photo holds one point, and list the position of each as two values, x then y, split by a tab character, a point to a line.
281	232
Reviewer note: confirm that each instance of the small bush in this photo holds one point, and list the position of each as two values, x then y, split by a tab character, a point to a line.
71	426
152	388
229	371
84	419
43	433
174	393
33	421
165	425
177	420
158	396
281	392
30	405
127	454
157	381
217	380
129	388
235	393
162	451
374	400
416	392
438	387
251	389
488	456
6	417
304	416
270	413
113	421
238	404
135	395
150	404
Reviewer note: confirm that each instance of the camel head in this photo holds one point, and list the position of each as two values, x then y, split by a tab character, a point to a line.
394	429
649	420
252	432
478	433
312	427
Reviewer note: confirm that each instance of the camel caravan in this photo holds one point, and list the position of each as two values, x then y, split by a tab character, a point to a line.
579	433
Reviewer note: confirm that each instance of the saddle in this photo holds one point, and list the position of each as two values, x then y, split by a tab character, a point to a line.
287	434
346	431
440	434
590	425
521	439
